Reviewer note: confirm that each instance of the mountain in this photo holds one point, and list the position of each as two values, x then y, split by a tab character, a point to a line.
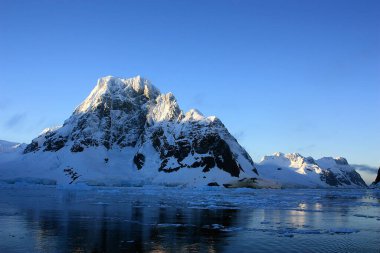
296	171
126	132
9	147
376	183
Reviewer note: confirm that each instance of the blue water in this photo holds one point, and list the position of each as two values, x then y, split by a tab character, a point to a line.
157	219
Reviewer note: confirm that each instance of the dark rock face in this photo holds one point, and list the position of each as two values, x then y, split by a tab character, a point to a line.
121	123
76	148
330	178
356	178
72	174
310	160
55	144
377	180
347	178
32	147
221	154
139	160
203	143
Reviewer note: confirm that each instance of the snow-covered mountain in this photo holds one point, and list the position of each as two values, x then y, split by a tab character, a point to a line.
127	133
294	171
9	147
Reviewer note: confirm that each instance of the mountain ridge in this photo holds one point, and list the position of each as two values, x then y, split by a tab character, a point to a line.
127	132
326	171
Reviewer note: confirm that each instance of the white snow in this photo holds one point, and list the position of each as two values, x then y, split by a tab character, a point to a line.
294	170
166	109
193	115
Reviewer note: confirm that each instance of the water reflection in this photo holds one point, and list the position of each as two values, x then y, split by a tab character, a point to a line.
136	221
129	228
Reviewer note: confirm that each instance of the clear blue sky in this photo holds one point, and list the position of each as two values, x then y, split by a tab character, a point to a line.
292	76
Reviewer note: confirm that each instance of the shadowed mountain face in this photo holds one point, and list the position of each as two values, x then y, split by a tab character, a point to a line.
378	177
133	114
377	180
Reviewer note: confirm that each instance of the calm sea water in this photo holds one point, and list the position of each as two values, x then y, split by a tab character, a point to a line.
154	219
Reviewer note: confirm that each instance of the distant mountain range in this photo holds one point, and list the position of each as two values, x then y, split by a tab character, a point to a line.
126	132
294	170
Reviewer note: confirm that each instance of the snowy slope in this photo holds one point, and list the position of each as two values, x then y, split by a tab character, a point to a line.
295	171
127	133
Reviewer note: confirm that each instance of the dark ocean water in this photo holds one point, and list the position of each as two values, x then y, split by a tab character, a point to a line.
157	219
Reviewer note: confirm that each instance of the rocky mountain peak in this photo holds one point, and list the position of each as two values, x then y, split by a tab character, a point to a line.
113	91
331	162
194	115
292	159
166	108
114	113
341	161
295	157
131	115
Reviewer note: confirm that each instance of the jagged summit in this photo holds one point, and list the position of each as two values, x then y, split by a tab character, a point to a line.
166	108
194	114
116	113
118	89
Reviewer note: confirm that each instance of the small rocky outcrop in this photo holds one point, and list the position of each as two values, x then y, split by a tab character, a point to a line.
72	174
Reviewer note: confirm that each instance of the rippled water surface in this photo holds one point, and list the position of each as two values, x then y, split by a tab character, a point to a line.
155	219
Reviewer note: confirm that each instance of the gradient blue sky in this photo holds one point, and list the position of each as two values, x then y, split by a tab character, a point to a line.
292	76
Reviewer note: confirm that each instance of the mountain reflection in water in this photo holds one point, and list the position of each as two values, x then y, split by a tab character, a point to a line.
45	219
